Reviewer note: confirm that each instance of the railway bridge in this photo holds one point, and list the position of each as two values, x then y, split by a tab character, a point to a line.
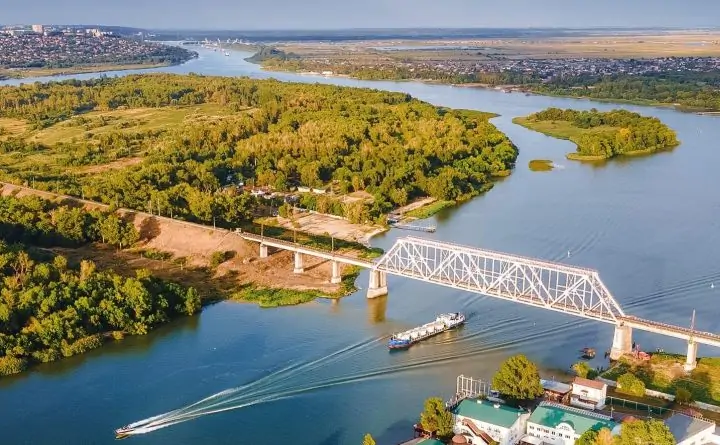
549	285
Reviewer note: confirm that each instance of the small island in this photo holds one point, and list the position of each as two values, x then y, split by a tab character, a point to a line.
602	135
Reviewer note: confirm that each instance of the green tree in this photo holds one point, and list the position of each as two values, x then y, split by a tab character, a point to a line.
683	396
518	378
589	437
368	440
629	384
435	418
650	432
581	369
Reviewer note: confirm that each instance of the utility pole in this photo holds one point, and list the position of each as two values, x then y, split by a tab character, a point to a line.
262	230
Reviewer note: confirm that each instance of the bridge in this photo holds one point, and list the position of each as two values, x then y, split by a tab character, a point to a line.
549	285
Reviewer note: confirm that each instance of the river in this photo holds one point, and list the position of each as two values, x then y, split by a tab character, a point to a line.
650	226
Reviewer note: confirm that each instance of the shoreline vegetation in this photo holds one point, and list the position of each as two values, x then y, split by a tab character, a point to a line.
23	73
687	92
541	165
602	135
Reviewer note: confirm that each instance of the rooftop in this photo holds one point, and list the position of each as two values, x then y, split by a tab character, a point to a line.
589	383
554	386
685	427
503	415
552	414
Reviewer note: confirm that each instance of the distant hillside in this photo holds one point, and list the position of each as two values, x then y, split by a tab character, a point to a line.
268	52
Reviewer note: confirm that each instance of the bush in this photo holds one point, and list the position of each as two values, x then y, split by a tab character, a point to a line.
12	365
683	396
218	258
631	385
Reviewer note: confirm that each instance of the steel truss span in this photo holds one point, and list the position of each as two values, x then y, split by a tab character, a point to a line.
559	287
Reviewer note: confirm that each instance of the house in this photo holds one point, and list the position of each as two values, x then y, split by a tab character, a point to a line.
588	394
483	422
556	424
689	430
556	391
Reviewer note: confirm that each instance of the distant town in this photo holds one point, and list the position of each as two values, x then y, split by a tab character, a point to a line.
38	46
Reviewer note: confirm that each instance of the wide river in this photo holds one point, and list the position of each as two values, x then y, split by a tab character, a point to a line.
650	225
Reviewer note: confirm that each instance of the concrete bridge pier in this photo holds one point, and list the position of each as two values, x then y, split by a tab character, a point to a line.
622	341
263	251
298	263
691	360
336	278
378	284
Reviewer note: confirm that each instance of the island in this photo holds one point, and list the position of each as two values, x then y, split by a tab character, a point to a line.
602	135
109	172
35	55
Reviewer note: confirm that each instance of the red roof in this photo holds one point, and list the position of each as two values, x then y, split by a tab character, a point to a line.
589	383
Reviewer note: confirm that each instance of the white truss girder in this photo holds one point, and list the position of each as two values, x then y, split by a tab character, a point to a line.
559	287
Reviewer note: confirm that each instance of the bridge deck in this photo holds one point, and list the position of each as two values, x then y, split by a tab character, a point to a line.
294	247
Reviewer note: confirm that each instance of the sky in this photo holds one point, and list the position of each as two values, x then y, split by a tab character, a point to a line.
344	14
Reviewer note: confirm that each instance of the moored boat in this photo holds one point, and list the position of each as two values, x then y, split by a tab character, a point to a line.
442	323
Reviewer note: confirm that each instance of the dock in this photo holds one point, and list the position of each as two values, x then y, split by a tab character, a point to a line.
415	227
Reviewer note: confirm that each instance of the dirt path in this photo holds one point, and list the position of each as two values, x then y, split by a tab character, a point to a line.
196	243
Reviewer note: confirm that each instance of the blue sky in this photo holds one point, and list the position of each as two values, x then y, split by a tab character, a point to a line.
340	14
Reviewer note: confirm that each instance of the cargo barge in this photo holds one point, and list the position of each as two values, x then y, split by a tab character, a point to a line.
442	323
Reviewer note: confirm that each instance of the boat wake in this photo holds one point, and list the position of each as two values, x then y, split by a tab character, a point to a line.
269	388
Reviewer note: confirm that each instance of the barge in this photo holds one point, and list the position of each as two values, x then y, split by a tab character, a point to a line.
442	323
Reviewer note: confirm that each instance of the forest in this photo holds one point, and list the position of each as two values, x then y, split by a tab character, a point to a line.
49	310
694	91
602	135
260	133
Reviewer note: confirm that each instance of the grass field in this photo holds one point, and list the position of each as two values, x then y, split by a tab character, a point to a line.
11	127
565	130
665	373
134	120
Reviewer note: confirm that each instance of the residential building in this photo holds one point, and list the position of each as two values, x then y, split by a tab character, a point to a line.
557	424
588	394
38	28
482	422
690	430
556	391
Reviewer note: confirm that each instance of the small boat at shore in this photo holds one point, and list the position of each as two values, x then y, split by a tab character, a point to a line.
442	323
588	353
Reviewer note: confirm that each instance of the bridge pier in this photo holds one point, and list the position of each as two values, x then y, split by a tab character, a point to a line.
298	263
691	359
378	284
336	278
622	342
263	251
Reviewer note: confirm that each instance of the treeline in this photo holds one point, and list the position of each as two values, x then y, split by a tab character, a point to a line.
393	71
41	222
392	146
48	310
623	132
693	90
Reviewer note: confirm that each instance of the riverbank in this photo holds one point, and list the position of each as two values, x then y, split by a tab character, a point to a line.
506	88
184	251
23	73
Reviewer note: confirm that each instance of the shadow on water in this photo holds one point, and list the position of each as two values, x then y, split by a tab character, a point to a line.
334	438
400	428
130	347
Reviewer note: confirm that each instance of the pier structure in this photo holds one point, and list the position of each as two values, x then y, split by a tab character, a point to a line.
543	284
